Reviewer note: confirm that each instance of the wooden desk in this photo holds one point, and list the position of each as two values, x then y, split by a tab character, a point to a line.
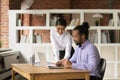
31	72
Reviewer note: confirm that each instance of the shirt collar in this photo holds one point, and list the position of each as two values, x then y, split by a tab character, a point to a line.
61	34
84	44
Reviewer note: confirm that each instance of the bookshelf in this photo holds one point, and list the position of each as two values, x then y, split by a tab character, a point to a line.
31	28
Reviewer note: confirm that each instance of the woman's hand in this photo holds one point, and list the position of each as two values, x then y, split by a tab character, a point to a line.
60	62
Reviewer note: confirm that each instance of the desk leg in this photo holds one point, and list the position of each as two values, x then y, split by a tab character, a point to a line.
31	77
13	74
87	77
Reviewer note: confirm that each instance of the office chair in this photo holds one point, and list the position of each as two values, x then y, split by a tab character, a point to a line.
102	67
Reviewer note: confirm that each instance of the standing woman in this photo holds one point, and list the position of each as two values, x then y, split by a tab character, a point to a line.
61	41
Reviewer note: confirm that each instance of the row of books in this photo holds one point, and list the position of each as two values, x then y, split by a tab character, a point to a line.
24	39
73	22
37	38
111	22
93	37
118	21
105	37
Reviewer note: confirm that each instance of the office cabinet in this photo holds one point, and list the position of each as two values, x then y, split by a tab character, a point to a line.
29	28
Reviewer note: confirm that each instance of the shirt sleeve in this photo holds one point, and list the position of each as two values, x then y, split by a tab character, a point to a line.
73	58
93	61
68	46
54	45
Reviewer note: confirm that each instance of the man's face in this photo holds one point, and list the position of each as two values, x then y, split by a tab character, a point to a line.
77	37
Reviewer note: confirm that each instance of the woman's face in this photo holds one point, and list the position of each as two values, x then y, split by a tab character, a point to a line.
60	29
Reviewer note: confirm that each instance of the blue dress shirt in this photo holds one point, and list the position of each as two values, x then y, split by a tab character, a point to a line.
86	57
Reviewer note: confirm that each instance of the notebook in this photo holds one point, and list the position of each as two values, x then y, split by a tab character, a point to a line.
43	62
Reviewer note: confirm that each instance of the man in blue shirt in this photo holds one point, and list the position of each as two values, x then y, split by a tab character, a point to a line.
86	55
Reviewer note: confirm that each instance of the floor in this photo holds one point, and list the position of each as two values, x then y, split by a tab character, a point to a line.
18	77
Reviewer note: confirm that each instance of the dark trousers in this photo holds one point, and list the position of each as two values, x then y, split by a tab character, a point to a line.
94	78
62	53
91	78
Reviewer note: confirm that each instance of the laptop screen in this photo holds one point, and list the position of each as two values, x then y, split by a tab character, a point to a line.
43	59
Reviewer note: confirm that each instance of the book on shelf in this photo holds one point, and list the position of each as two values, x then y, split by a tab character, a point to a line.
105	37
27	40
118	21
24	39
19	22
37	38
53	20
111	22
93	37
108	37
96	38
75	22
72	22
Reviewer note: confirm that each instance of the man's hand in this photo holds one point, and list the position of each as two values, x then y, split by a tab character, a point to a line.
59	63
67	64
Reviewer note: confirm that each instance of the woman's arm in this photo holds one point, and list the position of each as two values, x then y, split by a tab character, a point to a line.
68	46
54	45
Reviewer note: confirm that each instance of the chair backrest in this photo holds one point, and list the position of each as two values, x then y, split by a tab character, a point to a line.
102	67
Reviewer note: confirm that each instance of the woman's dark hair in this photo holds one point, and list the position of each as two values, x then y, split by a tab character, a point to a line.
61	21
83	29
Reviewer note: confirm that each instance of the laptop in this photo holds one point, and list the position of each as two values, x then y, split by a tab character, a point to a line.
43	62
